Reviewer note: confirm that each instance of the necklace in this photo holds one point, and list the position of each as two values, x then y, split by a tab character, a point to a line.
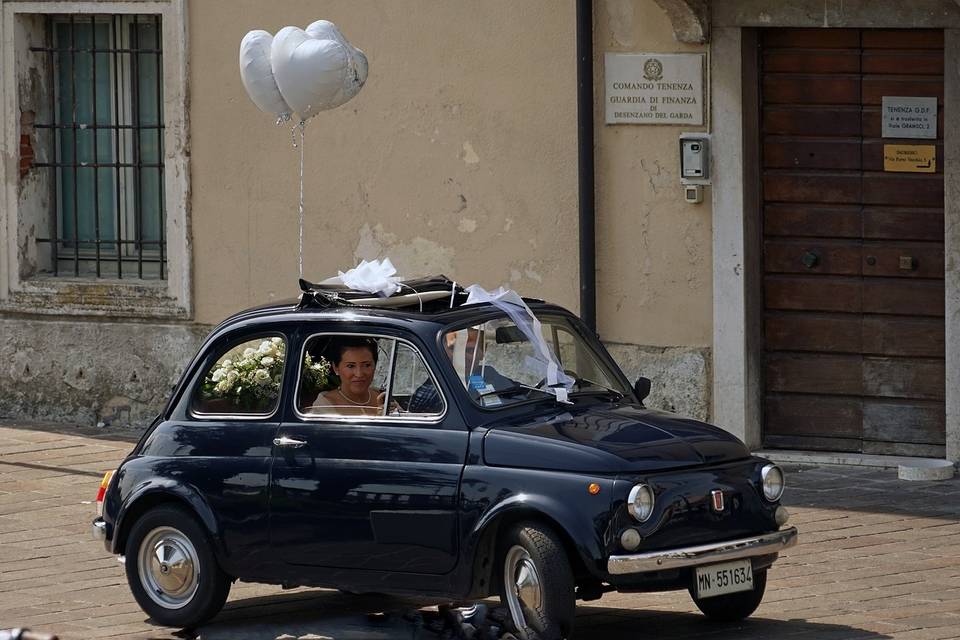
359	404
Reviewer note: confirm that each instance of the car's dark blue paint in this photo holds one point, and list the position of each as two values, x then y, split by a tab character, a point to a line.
416	507
613	437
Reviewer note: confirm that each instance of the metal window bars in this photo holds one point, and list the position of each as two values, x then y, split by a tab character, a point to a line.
106	110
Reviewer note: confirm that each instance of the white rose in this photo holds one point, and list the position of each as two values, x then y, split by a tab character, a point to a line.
217	375
266	346
223	386
249	351
276	341
261	376
232	376
268	361
227	364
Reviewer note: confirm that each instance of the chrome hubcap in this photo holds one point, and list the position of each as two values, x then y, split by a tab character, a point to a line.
168	567
522	586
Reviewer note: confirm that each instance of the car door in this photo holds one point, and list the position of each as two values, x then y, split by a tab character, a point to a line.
371	492
217	443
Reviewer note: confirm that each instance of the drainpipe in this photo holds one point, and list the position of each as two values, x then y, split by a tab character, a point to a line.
588	254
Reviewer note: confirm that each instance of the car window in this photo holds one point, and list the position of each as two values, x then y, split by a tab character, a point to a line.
498	365
245	380
349	375
344	375
413	391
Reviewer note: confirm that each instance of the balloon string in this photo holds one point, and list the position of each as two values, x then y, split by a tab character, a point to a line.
302	140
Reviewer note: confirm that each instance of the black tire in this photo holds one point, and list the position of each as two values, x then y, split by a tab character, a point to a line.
733	606
553	618
205	585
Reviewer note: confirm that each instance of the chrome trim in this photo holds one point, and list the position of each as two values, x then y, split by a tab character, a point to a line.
284	441
632	501
361	420
99	530
762	545
763	481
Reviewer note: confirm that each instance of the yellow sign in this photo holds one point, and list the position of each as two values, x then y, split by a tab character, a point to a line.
910	158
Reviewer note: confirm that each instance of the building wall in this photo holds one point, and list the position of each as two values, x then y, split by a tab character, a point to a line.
459	156
653	249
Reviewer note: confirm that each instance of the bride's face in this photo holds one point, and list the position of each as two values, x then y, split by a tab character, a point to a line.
355	370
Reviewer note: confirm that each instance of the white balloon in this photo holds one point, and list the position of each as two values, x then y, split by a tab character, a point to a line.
256	72
316	72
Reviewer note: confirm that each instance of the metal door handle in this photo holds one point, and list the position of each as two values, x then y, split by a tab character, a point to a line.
284	441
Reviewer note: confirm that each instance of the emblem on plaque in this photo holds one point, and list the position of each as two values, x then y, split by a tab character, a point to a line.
653	69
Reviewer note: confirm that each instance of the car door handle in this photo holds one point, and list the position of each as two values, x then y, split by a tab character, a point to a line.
284	441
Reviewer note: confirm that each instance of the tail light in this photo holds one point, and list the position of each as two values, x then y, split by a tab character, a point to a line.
103	490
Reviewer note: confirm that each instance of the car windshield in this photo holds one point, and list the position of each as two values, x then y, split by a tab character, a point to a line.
498	365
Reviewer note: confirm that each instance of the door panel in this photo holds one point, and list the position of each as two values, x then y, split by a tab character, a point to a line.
907	223
813	293
832	221
811	121
822	257
379	497
853	256
836	333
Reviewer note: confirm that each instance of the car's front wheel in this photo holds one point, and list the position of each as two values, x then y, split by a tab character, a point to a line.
172	570
537	582
733	606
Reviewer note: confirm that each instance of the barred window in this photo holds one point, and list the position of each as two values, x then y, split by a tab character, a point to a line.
104	147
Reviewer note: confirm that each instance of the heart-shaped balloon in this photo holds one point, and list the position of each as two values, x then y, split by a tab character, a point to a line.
316	72
257	74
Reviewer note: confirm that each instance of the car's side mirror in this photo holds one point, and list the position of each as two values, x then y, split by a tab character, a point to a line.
642	388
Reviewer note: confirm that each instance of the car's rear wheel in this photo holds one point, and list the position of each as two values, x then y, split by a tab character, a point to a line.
537	583
172	570
733	606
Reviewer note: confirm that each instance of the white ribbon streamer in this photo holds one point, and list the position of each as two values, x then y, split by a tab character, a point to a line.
510	302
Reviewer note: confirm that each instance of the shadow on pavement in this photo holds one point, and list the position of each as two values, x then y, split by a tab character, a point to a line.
316	614
596	623
870	490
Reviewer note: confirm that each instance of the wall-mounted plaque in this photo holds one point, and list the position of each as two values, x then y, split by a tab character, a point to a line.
909	117
654	88
910	158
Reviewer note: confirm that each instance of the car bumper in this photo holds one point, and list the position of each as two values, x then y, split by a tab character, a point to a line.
99	531
762	545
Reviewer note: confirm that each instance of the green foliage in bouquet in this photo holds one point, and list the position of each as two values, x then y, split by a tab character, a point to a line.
317	376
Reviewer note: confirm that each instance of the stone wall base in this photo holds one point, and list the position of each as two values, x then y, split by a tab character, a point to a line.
91	372
120	374
680	376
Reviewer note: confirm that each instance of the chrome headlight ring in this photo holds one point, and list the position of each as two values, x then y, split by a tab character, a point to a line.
640	502
772	482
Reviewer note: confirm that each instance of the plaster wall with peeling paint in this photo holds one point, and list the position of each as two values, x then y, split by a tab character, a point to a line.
653	248
458	157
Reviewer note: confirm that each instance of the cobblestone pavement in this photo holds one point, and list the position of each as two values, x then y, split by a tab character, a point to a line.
878	558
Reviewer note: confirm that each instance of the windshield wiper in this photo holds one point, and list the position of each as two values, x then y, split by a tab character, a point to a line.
601	388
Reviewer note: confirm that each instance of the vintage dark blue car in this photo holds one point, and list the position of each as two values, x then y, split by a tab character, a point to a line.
426	448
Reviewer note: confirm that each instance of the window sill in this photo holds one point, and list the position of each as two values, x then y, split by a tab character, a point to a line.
79	297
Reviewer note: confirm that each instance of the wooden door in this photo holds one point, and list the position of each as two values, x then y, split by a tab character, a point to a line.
852	255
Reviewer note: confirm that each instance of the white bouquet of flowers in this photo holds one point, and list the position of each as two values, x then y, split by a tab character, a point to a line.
251	378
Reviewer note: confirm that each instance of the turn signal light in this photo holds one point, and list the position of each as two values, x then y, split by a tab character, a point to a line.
593	489
103	490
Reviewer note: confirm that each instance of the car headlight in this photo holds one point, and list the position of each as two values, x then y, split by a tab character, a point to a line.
771	478
640	502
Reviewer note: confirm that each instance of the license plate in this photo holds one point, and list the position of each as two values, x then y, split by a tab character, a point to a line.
728	577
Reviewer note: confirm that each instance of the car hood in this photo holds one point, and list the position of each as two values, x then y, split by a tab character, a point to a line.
609	438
